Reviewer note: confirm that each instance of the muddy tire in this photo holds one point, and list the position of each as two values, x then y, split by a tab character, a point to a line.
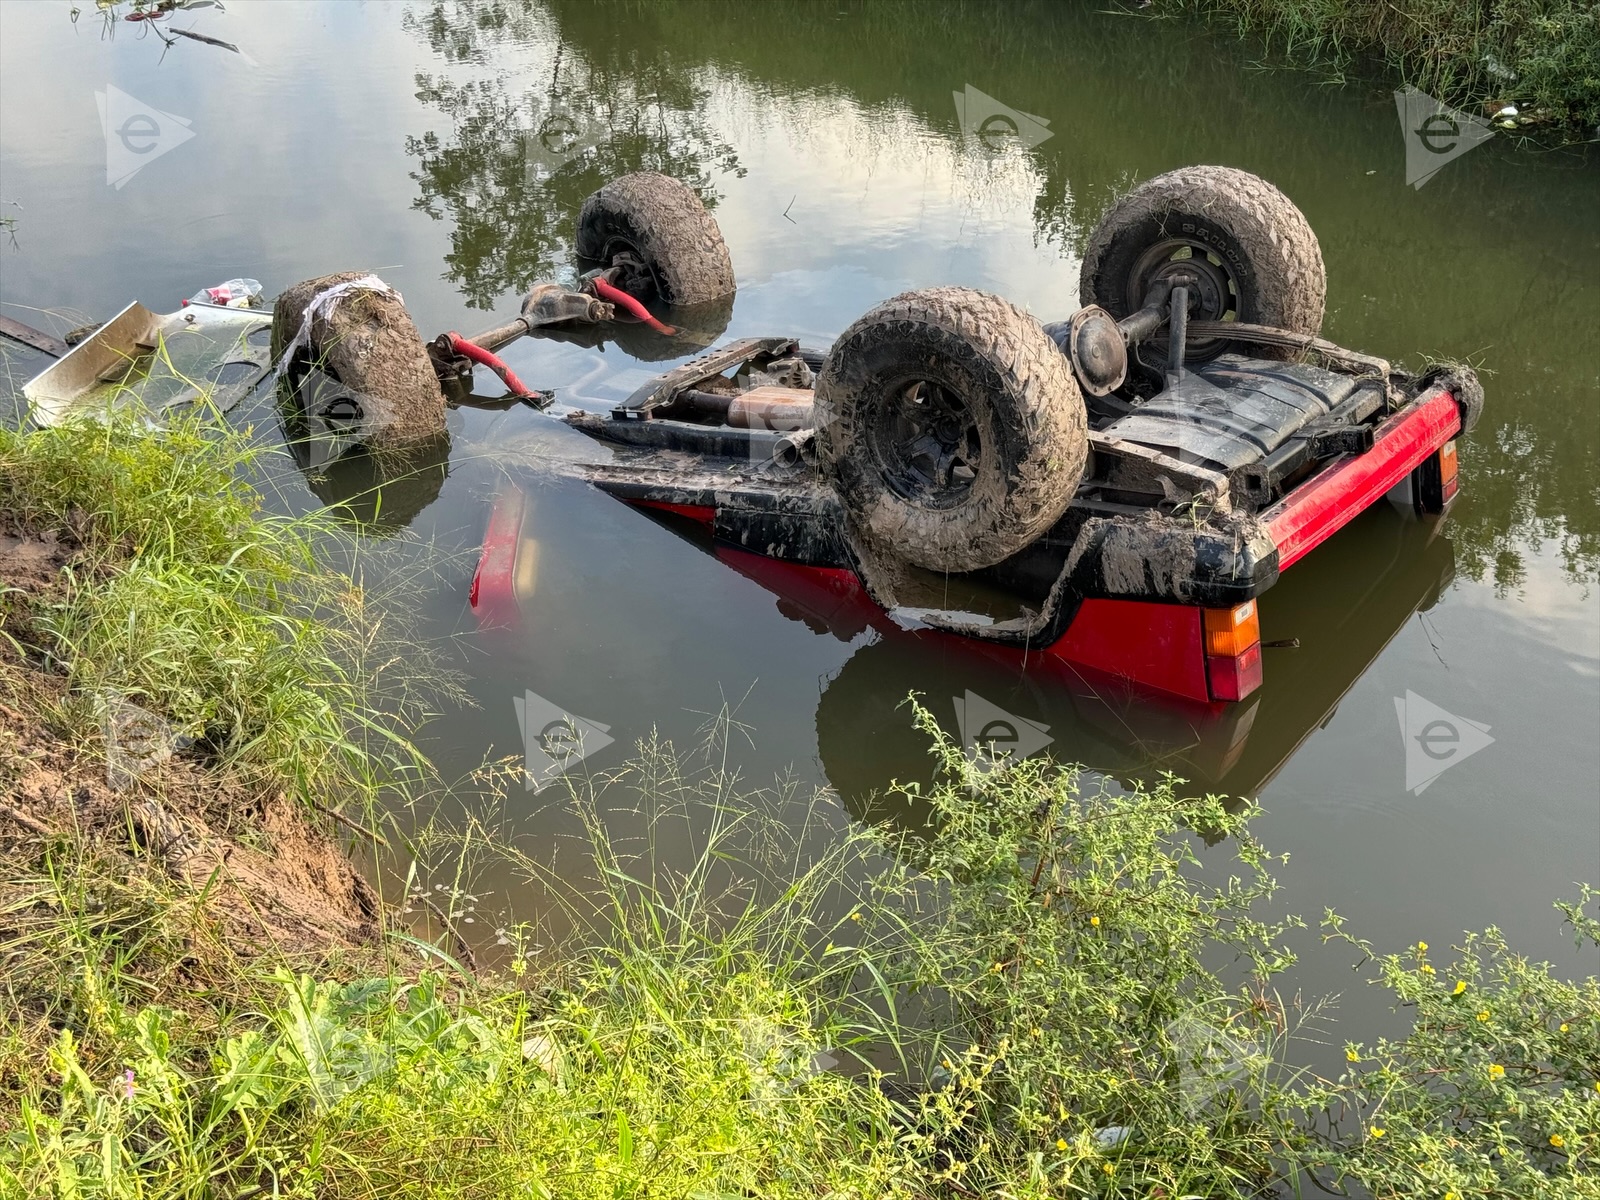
663	224
1254	252
951	428
370	345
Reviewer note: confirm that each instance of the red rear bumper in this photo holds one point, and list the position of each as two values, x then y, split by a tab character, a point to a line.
1325	504
1161	647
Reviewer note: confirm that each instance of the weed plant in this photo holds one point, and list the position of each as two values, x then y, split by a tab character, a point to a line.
192	602
1543	54
711	1035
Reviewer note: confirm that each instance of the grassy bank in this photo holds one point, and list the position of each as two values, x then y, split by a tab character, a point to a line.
181	595
1045	998
1479	55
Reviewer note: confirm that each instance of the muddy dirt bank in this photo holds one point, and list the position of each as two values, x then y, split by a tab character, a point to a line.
270	878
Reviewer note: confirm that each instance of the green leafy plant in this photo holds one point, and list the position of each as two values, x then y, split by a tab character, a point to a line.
1082	1041
1494	1091
1544	54
1041	980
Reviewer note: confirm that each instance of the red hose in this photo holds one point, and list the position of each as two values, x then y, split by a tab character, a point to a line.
484	358
617	296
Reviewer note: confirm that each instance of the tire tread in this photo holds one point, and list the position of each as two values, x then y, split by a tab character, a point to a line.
681	237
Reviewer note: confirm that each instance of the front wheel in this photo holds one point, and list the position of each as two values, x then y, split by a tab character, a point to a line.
951	428
1248	251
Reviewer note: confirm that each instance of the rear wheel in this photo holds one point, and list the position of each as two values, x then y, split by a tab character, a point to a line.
951	427
1248	251
659	227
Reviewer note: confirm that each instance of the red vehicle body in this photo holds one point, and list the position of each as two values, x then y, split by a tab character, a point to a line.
1205	653
1111	495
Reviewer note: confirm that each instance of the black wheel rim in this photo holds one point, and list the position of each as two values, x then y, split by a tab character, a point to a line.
927	443
1207	275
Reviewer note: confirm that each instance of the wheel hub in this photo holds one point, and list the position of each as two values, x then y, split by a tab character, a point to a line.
629	270
1215	291
928	443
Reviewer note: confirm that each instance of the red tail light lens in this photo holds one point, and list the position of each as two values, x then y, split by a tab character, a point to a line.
1233	650
1236	677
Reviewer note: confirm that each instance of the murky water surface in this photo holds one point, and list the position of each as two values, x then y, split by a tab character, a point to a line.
397	138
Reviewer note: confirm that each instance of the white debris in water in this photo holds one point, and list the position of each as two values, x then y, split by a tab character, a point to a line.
1497	68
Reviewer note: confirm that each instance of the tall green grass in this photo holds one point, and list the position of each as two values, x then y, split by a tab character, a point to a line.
1044	995
667	1051
1009	1006
1542	54
246	630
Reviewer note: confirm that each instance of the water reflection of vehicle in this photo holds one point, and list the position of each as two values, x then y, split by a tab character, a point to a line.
1323	625
323	430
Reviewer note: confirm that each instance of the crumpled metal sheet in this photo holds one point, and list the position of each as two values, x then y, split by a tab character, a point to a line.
147	362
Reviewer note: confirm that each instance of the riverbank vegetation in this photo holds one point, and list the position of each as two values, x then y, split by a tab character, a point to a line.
1542	56
178	593
1044	993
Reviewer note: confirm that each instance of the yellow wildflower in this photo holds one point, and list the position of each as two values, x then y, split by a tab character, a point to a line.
1452	1196
1061	1143
1095	921
1422	947
1484	1015
1496	1071
1557	1140
1109	1169
1378	1133
855	916
1427	969
1563	1027
1352	1056
1461	986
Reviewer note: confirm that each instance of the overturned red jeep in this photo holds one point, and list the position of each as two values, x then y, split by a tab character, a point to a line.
1114	492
